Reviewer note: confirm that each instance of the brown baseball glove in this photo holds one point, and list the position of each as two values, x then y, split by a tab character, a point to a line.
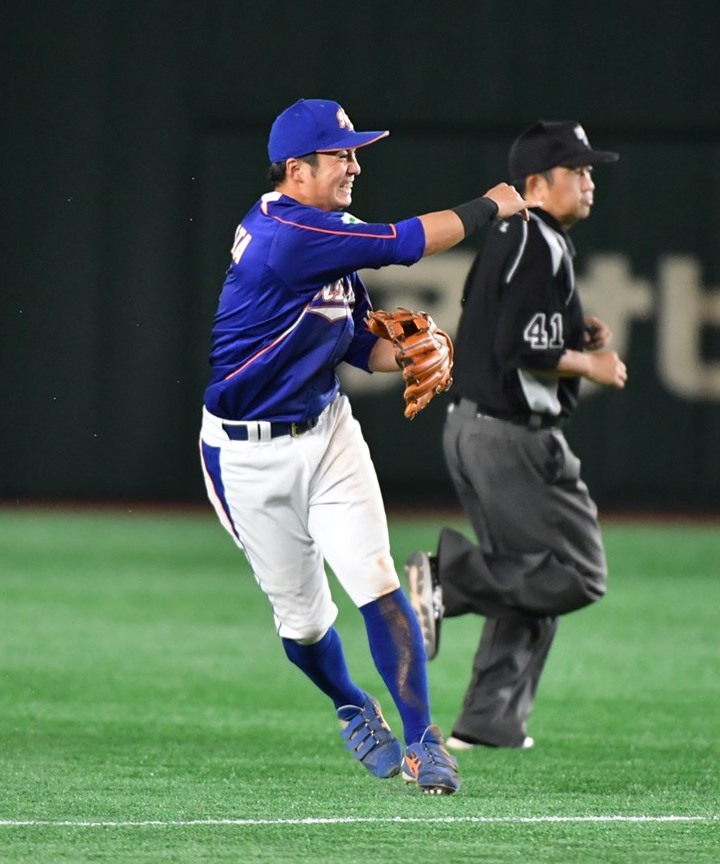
423	352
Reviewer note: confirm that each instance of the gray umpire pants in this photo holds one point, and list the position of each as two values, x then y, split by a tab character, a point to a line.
540	555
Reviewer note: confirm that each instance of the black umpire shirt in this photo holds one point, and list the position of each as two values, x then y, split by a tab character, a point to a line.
521	311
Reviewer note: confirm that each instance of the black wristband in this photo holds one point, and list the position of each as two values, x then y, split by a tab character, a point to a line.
474	214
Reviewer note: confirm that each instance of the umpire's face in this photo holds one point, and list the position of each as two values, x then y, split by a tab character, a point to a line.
328	185
566	193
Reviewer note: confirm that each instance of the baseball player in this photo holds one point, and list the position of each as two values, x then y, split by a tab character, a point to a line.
522	347
285	463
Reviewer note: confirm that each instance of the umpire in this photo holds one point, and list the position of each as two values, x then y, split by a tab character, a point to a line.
523	345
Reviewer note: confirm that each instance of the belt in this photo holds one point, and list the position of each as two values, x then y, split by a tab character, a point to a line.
532	420
252	430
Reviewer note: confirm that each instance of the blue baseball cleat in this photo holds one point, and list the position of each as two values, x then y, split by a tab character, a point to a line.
368	737
429	764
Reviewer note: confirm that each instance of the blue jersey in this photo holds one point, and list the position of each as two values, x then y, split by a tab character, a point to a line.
292	307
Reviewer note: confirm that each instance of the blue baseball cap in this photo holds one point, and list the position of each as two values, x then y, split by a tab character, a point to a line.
315	126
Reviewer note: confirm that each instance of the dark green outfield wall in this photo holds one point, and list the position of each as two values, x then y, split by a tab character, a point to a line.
133	140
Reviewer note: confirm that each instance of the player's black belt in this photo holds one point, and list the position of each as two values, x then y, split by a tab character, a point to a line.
533	420
251	429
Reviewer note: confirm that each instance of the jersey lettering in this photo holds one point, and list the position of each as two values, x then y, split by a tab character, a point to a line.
541	333
334	301
240	244
333	293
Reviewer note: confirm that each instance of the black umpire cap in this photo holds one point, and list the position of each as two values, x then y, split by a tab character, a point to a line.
548	145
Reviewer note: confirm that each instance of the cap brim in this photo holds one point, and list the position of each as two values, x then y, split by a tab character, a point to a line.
353	140
590	157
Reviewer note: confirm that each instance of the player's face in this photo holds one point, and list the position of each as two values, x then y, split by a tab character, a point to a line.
568	196
330	184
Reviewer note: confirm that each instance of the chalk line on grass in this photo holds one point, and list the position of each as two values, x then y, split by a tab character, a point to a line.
347	820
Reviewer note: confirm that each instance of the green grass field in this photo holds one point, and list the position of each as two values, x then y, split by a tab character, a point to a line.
148	714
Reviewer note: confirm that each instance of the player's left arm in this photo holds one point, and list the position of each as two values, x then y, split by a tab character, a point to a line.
360	351
382	357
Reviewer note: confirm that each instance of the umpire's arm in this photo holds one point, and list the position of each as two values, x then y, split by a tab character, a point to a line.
604	367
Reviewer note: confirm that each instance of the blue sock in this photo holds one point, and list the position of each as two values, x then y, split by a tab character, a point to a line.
324	664
397	648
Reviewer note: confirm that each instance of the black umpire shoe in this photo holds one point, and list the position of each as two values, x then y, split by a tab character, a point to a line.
460	742
426	598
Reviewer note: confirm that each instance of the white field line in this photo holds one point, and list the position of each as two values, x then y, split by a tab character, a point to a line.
348	820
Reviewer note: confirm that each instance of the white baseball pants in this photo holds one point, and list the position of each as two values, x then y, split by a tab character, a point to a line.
292	504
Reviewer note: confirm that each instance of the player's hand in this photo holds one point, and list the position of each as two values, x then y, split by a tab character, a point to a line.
608	369
509	201
597	334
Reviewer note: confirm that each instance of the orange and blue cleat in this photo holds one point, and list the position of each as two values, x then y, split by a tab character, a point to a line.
429	764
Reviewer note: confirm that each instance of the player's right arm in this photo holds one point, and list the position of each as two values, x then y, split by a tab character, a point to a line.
325	245
446	228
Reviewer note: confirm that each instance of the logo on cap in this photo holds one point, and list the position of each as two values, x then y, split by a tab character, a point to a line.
343	120
580	135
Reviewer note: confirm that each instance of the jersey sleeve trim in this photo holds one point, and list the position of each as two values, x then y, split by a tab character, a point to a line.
518	257
391	236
